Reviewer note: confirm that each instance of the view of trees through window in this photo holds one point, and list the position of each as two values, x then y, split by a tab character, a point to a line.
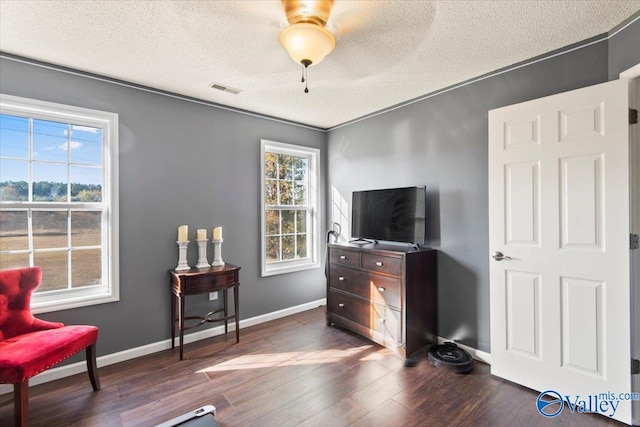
50	191
287	208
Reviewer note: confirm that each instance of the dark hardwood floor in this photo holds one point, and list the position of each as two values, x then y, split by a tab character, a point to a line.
294	371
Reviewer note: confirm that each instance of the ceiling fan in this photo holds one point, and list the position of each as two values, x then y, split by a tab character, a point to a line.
364	30
306	39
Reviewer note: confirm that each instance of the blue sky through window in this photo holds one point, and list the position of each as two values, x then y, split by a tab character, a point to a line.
55	145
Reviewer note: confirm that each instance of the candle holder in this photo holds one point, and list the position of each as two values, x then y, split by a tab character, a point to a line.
182	255
202	254
217	253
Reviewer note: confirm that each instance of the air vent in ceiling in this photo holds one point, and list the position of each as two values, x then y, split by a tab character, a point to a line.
225	88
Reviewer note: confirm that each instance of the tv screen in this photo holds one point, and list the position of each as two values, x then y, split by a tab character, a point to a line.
395	214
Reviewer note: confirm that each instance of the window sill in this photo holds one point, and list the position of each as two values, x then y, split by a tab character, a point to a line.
45	305
272	271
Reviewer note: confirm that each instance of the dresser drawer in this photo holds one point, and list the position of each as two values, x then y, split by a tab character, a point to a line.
342	257
382	264
376	287
377	317
198	284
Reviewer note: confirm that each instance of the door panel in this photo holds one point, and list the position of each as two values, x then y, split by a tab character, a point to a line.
523	313
581	208
559	212
522	203
582	309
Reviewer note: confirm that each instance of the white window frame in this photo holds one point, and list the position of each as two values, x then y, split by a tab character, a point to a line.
109	290
313	154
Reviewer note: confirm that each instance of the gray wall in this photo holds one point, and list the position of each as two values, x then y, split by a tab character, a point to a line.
442	142
180	163
624	47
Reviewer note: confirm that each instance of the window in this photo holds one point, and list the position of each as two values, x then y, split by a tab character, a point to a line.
58	200
290	194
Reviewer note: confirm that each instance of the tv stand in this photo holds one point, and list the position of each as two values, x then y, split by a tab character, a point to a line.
383	292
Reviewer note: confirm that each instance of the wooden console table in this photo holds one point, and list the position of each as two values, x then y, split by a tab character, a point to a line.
198	281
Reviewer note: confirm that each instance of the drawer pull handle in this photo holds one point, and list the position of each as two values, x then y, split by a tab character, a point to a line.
341	278
379	263
343	257
381	289
381	320
341	305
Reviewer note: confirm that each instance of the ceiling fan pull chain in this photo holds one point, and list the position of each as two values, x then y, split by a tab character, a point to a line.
306	73
302	79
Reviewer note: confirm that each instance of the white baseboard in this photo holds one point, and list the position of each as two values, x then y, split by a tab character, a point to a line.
480	355
121	356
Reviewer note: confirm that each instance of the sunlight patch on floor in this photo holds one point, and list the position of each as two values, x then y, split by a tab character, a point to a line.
270	360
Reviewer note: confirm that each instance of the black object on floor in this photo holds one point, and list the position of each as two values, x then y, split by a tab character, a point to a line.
451	357
201	417
410	362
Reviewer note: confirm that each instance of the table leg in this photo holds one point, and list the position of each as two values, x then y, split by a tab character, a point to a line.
173	320
236	312
181	325
225	310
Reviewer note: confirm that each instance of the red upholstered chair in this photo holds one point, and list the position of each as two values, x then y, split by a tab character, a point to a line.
28	345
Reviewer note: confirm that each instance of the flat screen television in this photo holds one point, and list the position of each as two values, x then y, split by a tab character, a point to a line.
394	214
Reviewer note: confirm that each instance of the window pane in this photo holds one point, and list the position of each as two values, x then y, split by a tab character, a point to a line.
273	249
86	145
271	192
273	222
270	165
49	229
301	221
285	167
86	184
14	231
14	261
13	180
302	246
54	270
286	193
86	268
300	166
49	182
288	249
14	136
50	140
300	194
86	228
288	223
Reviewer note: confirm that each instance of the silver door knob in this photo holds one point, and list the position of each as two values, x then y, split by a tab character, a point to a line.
499	256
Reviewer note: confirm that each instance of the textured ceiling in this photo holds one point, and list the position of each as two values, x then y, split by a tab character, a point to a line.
386	52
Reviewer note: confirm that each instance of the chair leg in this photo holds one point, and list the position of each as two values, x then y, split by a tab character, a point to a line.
21	403
92	367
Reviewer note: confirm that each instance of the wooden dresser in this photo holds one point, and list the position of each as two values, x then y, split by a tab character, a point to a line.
383	292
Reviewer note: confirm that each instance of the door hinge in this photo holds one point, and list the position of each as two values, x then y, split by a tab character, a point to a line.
634	241
635	366
633	116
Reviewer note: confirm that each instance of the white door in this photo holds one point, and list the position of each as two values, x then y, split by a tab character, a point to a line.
559	214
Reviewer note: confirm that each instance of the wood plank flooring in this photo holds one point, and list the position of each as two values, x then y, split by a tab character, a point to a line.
294	371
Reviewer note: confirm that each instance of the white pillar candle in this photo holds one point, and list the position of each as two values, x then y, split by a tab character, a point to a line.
202	234
217	233
183	233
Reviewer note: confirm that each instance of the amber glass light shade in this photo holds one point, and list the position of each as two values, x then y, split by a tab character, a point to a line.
307	42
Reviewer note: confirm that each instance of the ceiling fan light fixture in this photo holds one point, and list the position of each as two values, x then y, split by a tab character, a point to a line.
306	41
